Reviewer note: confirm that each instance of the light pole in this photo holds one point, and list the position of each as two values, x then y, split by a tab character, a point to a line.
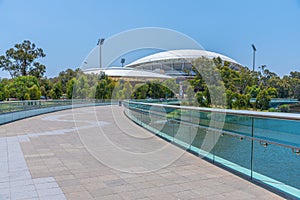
254	50
122	61
100	43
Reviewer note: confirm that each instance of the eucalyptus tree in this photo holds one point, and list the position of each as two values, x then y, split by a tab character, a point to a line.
21	60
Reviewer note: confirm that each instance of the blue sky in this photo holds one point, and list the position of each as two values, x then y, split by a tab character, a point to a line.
68	30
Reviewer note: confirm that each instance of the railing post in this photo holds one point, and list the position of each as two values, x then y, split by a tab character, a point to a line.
252	135
190	131
140	110
173	124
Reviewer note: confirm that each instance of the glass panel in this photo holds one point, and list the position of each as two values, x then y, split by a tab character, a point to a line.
278	130
226	139
233	152
277	166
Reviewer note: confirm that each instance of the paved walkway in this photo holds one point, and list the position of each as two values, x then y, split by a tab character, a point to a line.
97	153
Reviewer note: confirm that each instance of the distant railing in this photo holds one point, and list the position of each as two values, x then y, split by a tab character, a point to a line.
261	145
16	110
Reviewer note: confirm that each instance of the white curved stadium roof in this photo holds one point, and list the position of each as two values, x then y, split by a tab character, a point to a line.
127	73
188	54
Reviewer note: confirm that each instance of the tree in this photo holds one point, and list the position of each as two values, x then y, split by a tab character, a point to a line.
22	86
65	76
46	86
3	89
140	91
81	88
171	85
34	92
242	101
202	99
127	90
101	89
272	92
190	94
295	87
21	60
252	91
263	99
56	91
70	86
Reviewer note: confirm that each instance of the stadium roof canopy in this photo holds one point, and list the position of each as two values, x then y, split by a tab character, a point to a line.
119	72
183	54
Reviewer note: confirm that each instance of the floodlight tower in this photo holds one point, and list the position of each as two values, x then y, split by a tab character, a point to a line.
122	61
254	50
100	43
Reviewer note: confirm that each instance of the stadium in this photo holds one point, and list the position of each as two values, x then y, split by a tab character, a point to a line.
163	65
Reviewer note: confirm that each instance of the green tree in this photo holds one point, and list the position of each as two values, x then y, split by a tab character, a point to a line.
101	89
127	90
46	86
140	91
105	87
230	98
34	92
82	88
65	76
22	85
190	94
56	91
26	96
295	88
70	86
252	91
22	60
272	92
242	101
3	90
202	99
263	99
171	85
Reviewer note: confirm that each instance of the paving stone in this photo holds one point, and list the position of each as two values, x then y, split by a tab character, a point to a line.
43	161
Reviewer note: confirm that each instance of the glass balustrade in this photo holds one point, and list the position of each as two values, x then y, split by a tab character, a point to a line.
264	147
15	110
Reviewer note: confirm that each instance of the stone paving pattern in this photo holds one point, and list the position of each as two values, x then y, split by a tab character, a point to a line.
43	158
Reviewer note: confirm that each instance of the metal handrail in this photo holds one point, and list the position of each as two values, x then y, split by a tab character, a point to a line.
273	115
221	132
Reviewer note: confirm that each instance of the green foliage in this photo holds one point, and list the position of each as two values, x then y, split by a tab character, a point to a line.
82	88
34	92
26	96
4	89
171	85
242	101
65	76
140	91
272	92
263	99
252	91
118	90
284	108
202	99
105	87
208	83
70	86
56	91
190	93
127	90
23	88
21	60
241	85
273	110
152	89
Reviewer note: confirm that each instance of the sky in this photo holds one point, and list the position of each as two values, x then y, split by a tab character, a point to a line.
68	30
